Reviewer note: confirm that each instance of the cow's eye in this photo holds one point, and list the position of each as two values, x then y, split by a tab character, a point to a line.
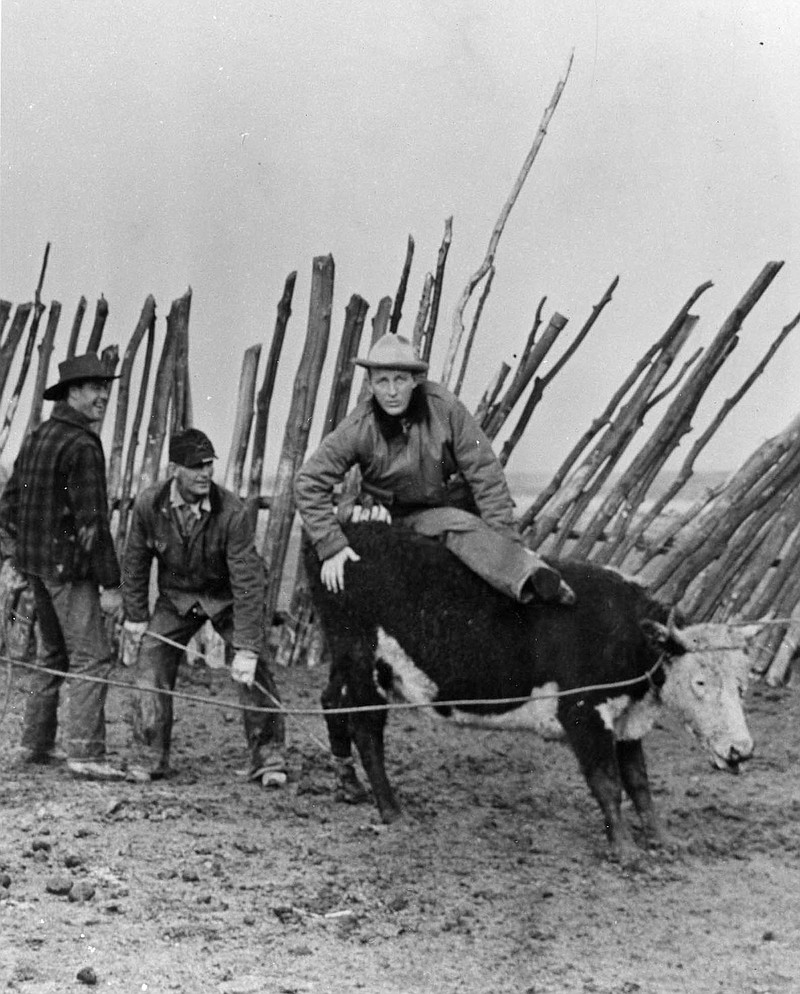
699	686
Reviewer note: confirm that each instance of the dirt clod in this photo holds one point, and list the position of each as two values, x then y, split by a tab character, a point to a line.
81	890
59	883
87	975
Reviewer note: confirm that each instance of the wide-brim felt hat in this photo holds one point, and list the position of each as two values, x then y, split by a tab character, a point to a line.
74	369
393	352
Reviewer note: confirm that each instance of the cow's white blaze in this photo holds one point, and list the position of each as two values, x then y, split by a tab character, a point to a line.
408	680
413	685
626	719
536	715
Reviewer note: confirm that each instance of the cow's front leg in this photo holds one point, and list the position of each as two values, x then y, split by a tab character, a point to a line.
594	747
633	771
368	735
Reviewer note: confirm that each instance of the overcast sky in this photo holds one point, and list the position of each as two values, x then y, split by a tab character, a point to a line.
224	144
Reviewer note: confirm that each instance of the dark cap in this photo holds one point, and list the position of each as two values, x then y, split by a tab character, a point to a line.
190	448
74	370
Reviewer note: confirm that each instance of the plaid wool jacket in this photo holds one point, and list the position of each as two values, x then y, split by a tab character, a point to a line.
54	507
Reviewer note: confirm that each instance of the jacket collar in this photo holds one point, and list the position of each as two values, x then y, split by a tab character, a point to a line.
392	426
62	411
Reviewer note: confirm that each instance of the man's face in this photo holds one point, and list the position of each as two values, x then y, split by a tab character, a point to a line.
194	482
392	389
90	398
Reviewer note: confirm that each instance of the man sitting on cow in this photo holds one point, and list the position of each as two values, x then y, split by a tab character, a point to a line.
208	570
425	462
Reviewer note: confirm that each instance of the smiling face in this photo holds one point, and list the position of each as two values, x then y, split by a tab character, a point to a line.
90	397
392	389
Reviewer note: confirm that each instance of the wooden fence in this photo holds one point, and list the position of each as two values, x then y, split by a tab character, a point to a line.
733	556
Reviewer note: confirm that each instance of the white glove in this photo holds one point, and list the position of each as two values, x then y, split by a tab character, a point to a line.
243	667
132	635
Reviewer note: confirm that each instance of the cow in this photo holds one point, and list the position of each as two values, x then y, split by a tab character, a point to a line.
414	623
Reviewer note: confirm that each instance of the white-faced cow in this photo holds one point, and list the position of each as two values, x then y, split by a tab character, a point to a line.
413	622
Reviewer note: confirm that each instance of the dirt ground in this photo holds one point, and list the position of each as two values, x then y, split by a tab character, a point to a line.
496	879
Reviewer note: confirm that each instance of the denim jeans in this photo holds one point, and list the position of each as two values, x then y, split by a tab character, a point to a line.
72	639
157	668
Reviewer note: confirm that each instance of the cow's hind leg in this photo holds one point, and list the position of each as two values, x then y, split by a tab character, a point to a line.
349	788
633	771
594	747
368	734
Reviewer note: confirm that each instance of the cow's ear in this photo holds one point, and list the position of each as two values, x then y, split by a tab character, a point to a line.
749	632
664	637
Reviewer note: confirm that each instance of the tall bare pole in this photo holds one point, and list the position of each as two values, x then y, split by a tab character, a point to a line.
243	421
100	318
458	317
264	398
145	324
298	426
77	321
400	296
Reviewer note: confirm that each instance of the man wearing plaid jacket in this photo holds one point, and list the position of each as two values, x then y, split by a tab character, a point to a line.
55	527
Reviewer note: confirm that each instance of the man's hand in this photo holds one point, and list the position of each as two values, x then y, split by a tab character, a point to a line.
243	667
332	572
375	513
132	635
10	579
111	603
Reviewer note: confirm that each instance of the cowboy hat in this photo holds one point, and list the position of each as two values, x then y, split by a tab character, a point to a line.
393	352
74	369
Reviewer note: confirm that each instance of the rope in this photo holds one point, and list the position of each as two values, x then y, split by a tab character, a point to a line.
323	712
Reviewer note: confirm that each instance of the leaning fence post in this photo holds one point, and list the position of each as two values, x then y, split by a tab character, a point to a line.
43	367
162	394
298	427
264	397
145	323
243	421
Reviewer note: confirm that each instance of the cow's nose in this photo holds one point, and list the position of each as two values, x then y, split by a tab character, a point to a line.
738	754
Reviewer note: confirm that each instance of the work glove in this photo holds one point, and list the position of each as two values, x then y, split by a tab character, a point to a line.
243	667
132	635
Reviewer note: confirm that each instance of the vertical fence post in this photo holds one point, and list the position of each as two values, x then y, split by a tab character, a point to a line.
298	427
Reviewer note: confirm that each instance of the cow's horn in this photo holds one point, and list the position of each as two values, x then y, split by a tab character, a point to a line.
671	626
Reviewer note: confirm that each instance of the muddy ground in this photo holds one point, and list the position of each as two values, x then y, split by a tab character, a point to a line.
496	879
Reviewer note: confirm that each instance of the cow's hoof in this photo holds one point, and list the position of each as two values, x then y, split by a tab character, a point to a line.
349	789
625	852
389	815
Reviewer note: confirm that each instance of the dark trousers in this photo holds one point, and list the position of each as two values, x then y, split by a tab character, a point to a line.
157	667
72	639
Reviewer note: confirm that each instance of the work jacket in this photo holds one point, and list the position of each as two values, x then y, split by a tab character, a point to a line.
434	455
54	507
215	567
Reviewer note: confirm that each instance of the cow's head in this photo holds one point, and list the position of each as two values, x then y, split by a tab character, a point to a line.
706	677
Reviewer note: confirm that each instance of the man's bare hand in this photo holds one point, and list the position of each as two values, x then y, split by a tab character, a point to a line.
332	572
111	603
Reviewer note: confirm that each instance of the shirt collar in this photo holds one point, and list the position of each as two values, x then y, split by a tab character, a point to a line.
177	501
